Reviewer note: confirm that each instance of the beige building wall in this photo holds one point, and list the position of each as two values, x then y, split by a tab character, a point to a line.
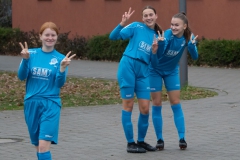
212	19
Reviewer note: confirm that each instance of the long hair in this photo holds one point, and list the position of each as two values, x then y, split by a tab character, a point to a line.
156	27
187	32
50	25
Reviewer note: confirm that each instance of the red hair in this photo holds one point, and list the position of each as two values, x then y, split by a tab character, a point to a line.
50	25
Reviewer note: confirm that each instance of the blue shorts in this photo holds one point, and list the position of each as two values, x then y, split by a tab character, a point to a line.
133	77
42	117
171	80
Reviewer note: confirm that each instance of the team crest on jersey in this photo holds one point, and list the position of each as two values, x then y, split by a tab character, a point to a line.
53	62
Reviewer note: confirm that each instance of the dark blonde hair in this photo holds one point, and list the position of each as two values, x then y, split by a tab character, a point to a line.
156	27
50	25
187	32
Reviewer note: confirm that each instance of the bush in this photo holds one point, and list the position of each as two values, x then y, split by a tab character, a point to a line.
223	53
5	13
10	38
102	48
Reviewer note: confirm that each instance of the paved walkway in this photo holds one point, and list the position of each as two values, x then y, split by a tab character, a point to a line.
95	133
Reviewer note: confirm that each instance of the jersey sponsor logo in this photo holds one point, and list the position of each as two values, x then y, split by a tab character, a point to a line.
41	72
171	53
145	47
53	62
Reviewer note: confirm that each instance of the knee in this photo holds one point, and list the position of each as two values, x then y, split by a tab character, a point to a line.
128	105
44	146
144	109
157	103
174	102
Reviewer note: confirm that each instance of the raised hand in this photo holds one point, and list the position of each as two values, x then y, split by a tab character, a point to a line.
66	61
193	40
126	16
161	37
24	52
154	45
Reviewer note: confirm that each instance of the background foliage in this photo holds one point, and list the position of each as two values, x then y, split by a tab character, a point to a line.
221	53
5	13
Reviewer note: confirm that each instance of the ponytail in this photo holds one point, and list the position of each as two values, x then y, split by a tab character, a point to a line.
157	28
187	32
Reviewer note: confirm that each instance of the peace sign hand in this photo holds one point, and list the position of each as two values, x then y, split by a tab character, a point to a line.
161	37
154	45
66	61
24	52
126	16
193	40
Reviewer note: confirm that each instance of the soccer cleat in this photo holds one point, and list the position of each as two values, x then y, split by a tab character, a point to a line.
182	144
160	144
146	146
134	148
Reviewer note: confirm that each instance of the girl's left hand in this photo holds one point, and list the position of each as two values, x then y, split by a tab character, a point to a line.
161	37
66	61
193	40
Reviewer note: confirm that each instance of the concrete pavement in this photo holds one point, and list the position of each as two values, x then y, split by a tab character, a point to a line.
95	133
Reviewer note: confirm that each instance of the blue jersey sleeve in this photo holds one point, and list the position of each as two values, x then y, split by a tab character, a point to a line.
23	69
61	78
123	33
115	34
192	48
155	57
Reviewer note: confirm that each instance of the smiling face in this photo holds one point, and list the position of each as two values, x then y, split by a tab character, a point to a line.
49	38
178	27
149	17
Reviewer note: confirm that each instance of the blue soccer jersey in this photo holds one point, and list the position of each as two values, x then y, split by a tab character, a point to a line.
42	74
140	40
170	51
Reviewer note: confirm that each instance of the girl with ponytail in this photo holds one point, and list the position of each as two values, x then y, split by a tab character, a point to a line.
133	73
167	51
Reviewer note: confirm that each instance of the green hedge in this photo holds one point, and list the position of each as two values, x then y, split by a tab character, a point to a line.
223	53
10	38
102	48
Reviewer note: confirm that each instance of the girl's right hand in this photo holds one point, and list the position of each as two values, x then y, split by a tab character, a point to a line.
24	52
154	45
126	16
155	41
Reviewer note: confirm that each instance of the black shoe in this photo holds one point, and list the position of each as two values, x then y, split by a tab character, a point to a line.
160	144
182	144
146	146
134	148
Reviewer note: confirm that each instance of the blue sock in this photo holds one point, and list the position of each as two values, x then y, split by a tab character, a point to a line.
179	119
127	125
142	126
157	121
45	156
